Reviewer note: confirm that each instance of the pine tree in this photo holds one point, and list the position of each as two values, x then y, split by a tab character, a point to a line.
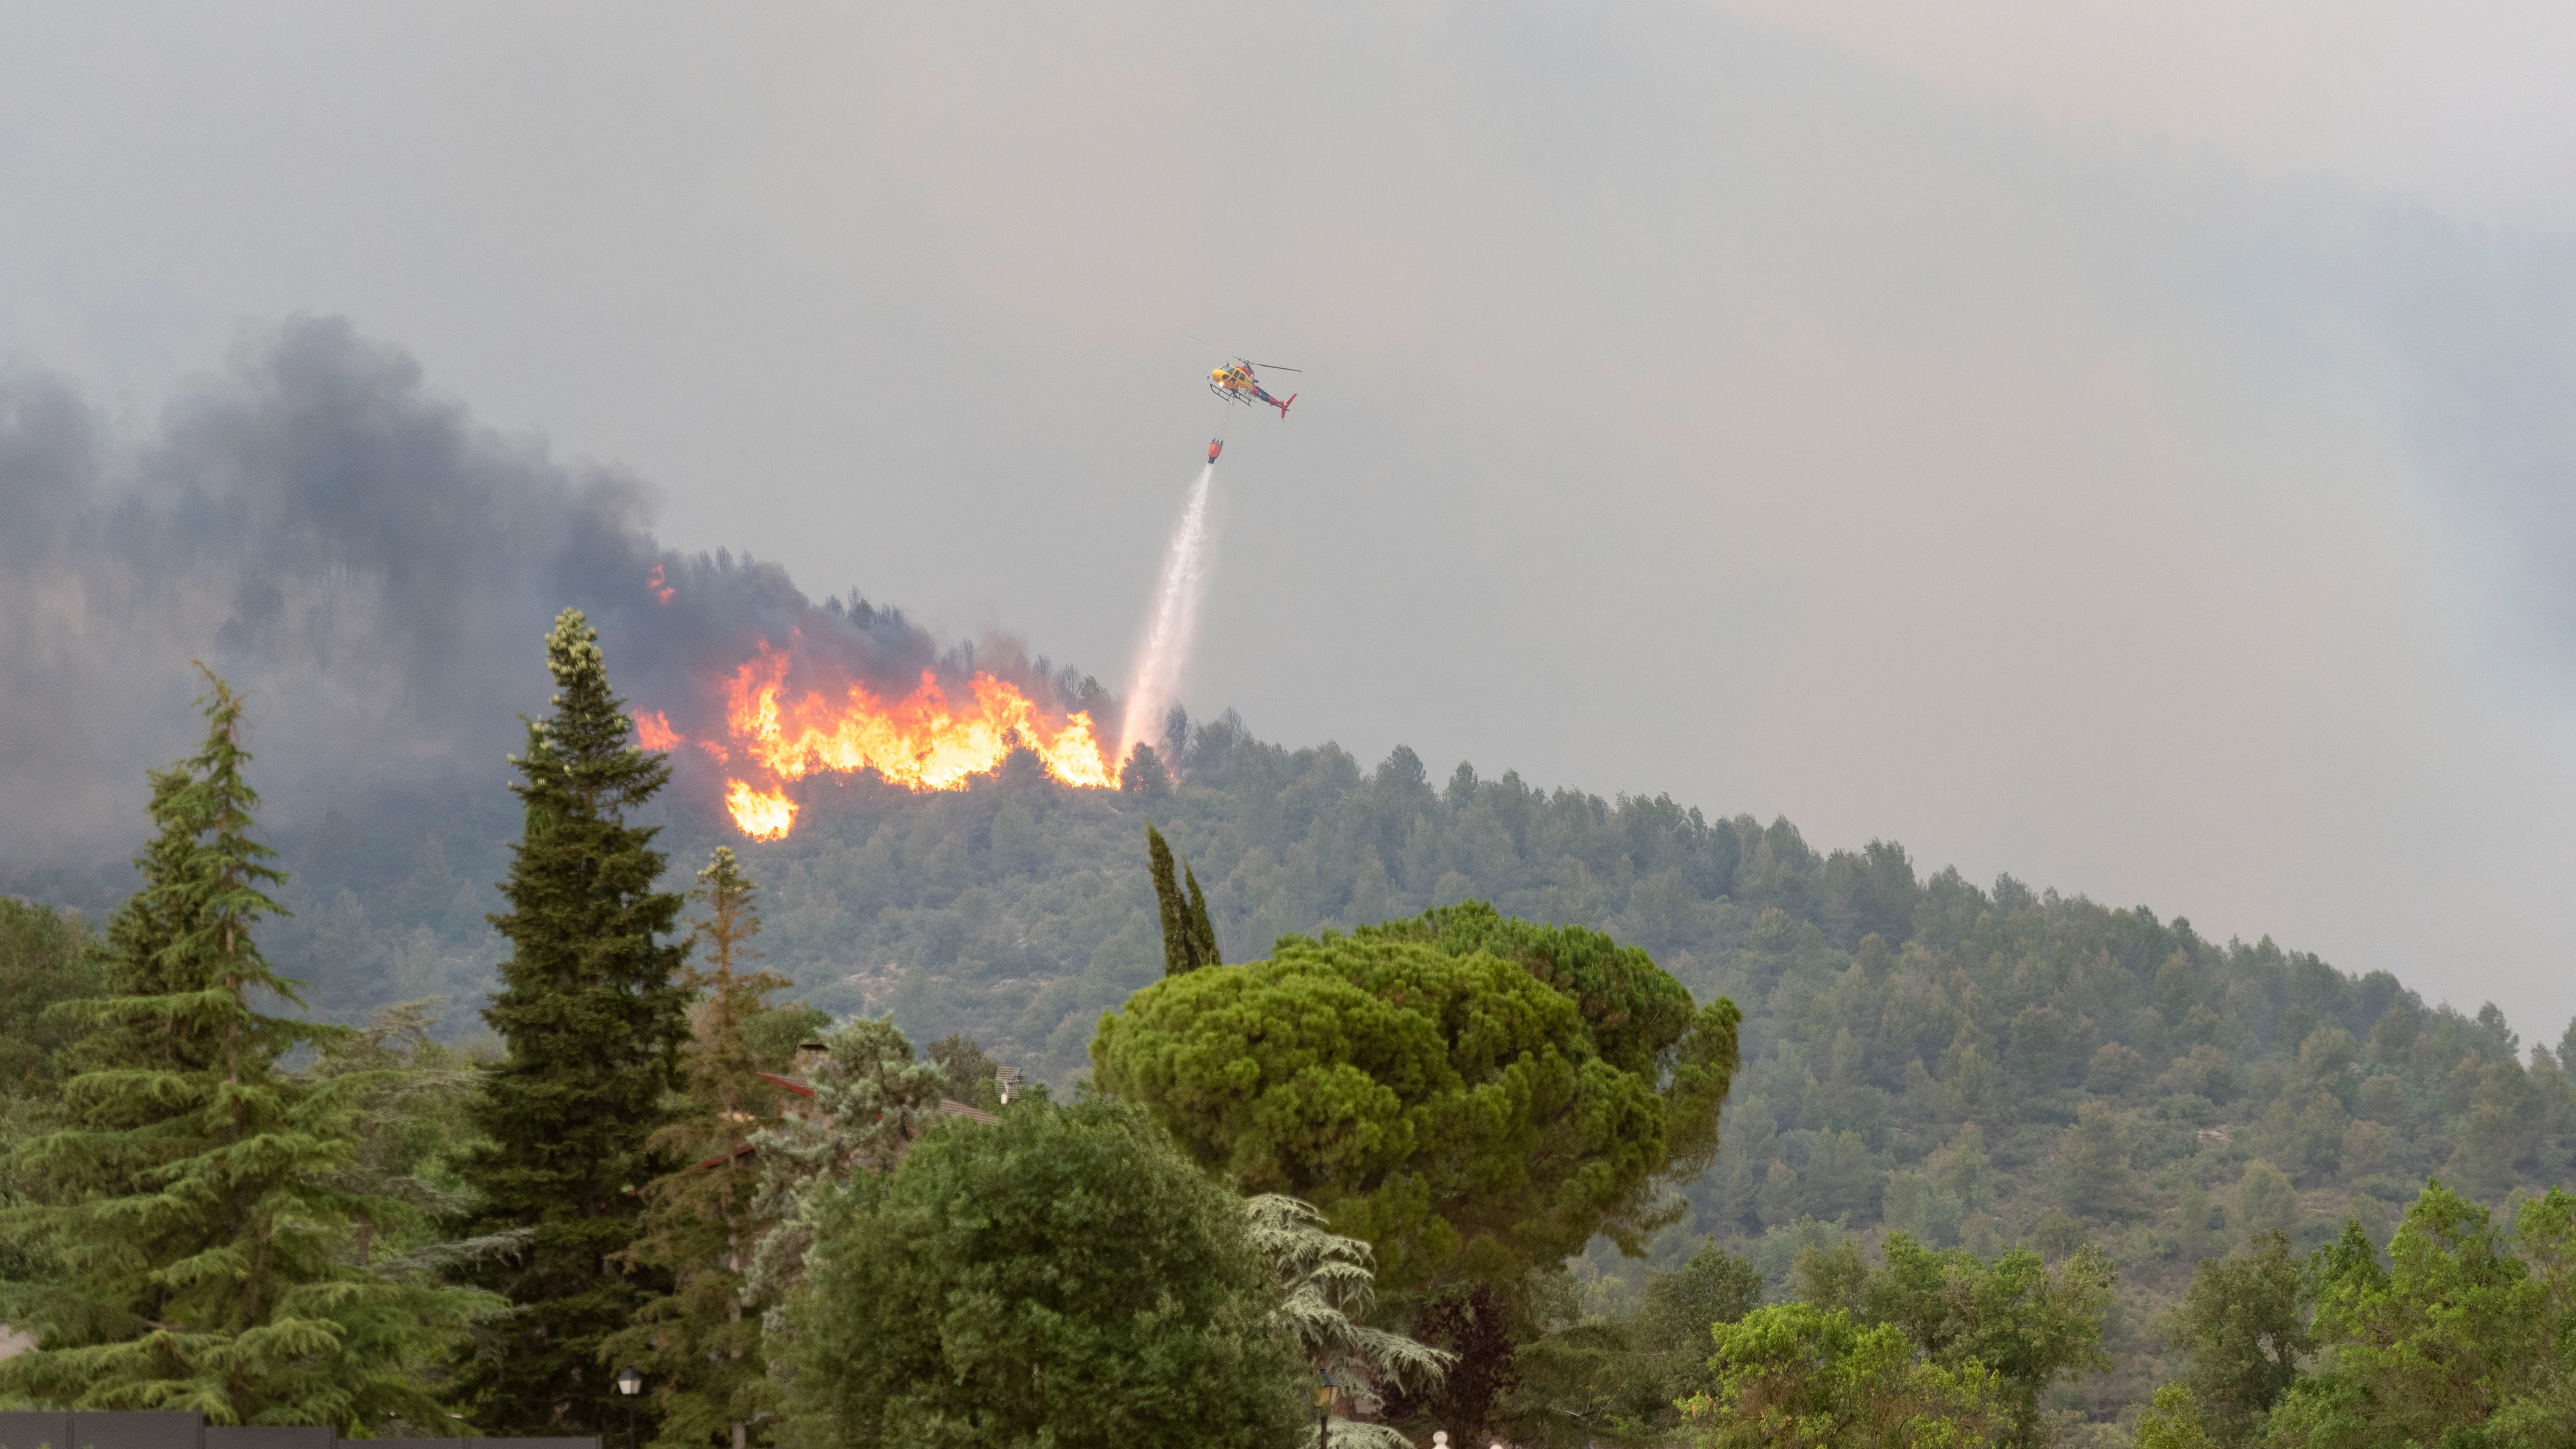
698	1348
1144	776
1189	939
872	1100
1326	1289
592	1018
197	1199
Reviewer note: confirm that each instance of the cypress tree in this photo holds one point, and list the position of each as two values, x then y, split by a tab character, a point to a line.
699	1349
1189	940
592	1019
1174	909
196	1198
1202	930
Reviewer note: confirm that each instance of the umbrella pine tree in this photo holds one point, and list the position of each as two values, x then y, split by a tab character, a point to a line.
592	1018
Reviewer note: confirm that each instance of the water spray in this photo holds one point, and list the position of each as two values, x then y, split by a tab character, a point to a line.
1176	616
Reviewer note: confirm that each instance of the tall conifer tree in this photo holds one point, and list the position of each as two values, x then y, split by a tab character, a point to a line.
1189	938
1202	930
697	1345
196	1199
593	1018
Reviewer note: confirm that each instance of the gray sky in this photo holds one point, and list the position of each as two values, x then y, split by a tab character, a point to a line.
2126	452
2463	106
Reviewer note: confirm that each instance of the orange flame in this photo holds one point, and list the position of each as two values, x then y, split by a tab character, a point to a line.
761	816
654	732
653	585
923	740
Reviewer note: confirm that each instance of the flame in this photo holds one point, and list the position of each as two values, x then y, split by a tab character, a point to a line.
761	816
653	585
1075	757
654	732
924	740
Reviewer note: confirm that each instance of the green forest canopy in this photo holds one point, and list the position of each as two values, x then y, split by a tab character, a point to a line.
1981	1066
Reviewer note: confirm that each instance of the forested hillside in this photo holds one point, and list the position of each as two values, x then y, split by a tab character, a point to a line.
1976	1065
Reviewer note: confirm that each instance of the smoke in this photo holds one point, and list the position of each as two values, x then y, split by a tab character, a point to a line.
373	569
1176	614
1708	413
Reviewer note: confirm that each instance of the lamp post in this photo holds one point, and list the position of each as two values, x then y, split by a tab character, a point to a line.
1323	1408
629	1384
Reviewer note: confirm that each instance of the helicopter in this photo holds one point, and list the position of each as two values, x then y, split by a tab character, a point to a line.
1234	382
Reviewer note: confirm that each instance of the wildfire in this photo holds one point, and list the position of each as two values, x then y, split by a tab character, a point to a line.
761	816
653	585
654	732
924	739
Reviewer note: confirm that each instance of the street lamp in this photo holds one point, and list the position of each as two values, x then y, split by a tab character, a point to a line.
630	1383
1323	1407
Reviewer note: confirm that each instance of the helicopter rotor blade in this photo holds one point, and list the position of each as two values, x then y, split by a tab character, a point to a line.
1277	367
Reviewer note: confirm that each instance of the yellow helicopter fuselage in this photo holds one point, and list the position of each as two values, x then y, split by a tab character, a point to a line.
1236	384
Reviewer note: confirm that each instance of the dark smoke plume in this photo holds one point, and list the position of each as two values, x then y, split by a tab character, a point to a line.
374	569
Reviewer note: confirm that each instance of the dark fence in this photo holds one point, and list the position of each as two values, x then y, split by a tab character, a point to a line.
189	1431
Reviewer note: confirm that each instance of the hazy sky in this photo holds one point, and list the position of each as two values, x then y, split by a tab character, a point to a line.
2463	106
2125	446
